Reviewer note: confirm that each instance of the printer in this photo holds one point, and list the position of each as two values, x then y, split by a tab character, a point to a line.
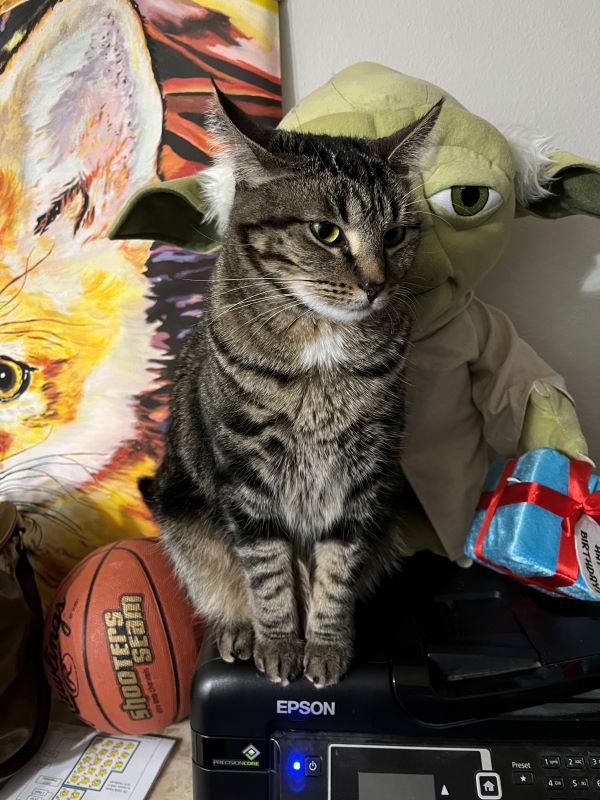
466	685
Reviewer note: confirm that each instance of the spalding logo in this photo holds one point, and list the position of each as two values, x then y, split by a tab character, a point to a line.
306	708
60	668
69	675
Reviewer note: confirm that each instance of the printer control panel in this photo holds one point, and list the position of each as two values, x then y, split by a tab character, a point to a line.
330	767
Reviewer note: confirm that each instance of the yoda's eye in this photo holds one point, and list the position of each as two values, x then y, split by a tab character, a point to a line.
466	201
328	233
394	236
14	379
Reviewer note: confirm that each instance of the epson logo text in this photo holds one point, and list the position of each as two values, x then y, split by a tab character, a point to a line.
306	708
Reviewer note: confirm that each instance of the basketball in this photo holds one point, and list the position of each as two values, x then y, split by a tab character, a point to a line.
121	640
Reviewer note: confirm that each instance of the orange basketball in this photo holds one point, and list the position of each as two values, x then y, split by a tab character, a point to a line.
120	640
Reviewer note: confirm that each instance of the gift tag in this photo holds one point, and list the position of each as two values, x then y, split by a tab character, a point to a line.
587	541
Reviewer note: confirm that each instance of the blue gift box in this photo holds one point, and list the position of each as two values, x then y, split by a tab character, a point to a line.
539	520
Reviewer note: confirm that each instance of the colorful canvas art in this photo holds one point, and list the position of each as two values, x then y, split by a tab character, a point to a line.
97	100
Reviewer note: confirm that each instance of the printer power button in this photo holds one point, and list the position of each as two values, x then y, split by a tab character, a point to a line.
312	766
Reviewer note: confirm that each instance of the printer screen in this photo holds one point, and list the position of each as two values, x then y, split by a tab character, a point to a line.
384	786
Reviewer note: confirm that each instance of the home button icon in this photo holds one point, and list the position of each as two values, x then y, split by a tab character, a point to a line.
488	785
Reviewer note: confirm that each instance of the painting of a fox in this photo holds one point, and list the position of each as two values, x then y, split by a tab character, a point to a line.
84	340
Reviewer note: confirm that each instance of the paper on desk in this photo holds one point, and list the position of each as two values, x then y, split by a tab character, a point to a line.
76	763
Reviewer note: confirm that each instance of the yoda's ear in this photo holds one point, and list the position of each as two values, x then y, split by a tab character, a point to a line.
574	188
175	212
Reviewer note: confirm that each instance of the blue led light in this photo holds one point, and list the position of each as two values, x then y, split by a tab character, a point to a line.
294	770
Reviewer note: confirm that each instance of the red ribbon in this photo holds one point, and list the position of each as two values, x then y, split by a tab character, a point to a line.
570	507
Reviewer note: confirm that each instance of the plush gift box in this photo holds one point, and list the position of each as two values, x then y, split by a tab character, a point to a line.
538	520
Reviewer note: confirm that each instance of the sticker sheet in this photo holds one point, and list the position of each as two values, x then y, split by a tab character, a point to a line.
76	763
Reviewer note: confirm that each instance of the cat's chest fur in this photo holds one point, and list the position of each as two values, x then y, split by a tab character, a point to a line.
333	443
335	436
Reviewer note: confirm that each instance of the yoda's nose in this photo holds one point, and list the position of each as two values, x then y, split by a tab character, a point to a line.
372	290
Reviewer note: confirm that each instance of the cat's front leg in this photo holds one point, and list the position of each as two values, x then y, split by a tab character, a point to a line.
268	563
330	624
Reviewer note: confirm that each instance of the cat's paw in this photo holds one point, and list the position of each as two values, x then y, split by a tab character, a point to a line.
235	641
280	660
326	663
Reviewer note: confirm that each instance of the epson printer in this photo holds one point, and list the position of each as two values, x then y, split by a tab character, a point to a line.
466	685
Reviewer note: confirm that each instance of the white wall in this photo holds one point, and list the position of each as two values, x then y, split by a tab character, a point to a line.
534	62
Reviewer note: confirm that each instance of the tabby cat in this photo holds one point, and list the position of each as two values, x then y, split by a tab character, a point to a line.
277	495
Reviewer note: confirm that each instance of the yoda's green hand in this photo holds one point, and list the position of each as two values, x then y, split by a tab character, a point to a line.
551	421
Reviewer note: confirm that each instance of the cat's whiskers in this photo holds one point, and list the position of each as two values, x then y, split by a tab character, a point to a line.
426	213
265	282
262	298
280	310
294	322
414	188
407	301
220	242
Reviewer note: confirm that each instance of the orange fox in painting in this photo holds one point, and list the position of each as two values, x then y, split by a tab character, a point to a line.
80	126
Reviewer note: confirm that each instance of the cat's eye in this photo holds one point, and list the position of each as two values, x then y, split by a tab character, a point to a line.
467	201
328	233
394	236
14	378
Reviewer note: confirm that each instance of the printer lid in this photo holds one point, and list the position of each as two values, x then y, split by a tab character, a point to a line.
468	644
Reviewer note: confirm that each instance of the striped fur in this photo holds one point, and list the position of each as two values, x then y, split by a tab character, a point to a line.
277	493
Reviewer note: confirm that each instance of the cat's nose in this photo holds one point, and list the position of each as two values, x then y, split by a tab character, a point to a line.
372	290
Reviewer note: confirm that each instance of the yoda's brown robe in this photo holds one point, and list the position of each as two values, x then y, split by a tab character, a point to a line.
471	376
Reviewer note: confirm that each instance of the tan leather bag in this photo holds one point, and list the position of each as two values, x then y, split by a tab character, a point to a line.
24	693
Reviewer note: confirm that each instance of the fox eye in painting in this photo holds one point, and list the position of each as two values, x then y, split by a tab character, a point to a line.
467	201
14	378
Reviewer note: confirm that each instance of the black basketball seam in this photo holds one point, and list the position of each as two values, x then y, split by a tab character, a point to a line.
85	659
174	661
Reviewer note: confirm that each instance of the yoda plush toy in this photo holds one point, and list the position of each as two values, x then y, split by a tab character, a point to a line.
476	386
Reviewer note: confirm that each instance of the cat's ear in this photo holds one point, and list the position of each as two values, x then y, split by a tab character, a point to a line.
241	142
193	212
403	148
